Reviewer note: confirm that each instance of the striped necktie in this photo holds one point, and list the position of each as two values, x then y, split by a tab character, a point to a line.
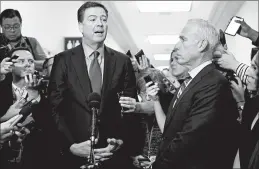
182	87
95	74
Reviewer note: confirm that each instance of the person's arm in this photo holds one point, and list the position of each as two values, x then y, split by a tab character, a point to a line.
198	125
160	115
247	32
152	91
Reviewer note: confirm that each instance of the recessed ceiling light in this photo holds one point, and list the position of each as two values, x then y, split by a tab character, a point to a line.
164	6
162	57
163	39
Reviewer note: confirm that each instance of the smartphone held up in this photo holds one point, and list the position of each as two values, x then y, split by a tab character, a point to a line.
234	27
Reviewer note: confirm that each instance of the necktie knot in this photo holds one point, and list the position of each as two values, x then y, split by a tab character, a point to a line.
187	78
96	54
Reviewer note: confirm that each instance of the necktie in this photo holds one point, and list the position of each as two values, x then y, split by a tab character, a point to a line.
95	74
182	87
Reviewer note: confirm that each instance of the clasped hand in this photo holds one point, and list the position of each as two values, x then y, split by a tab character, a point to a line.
101	154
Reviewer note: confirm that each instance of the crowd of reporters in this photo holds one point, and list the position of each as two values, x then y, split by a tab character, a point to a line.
33	143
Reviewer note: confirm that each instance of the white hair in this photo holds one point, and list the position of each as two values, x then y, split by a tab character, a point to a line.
206	31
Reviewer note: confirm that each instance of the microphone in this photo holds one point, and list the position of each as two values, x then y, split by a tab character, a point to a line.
94	100
24	112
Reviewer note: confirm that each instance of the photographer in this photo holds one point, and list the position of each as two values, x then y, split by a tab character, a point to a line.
11	38
21	85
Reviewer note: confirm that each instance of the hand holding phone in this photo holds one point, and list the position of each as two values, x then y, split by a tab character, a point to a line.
148	79
139	55
13	58
234	27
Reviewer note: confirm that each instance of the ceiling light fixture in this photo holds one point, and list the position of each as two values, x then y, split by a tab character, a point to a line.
164	6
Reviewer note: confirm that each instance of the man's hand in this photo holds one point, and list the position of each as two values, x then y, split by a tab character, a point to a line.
225	59
6	131
5	66
129	103
81	149
31	86
106	153
142	162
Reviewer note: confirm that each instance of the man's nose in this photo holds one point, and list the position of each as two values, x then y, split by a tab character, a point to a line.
99	22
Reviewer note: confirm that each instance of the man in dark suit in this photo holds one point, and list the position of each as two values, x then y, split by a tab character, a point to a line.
200	130
71	82
20	87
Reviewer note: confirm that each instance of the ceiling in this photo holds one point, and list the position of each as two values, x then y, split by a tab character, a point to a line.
129	27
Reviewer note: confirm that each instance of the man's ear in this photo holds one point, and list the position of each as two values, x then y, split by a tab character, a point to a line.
202	45
80	26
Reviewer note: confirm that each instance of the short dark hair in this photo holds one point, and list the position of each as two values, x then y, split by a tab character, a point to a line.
10	13
89	4
19	48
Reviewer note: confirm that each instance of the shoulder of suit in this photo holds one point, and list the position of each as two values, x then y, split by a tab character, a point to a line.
217	77
66	53
117	53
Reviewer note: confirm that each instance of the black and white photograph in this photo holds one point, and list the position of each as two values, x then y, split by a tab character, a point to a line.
129	85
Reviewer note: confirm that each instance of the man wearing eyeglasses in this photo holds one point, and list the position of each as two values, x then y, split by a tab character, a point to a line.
11	24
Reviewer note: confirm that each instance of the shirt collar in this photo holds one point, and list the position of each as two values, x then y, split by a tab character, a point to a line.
88	50
196	70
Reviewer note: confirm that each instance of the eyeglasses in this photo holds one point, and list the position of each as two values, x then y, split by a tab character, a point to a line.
9	27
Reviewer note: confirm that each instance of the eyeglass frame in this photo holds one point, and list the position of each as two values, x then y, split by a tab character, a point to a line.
14	27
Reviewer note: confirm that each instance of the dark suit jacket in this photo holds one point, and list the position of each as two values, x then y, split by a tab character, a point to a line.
69	88
248	137
39	148
201	132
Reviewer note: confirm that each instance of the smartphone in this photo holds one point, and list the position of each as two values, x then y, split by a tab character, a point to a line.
148	79
222	37
233	27
129	54
139	55
231	77
12	58
253	52
144	159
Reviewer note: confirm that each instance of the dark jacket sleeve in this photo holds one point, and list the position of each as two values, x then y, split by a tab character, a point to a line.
56	91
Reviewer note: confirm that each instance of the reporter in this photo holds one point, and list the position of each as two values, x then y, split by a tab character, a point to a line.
20	87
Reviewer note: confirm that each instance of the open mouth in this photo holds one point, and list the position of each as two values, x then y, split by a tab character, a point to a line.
99	33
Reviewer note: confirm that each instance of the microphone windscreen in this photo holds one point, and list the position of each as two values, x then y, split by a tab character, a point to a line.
94	100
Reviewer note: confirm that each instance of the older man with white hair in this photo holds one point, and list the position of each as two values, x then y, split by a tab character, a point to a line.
200	130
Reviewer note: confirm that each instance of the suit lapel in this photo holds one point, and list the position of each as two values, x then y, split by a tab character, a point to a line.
78	60
109	68
195	80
